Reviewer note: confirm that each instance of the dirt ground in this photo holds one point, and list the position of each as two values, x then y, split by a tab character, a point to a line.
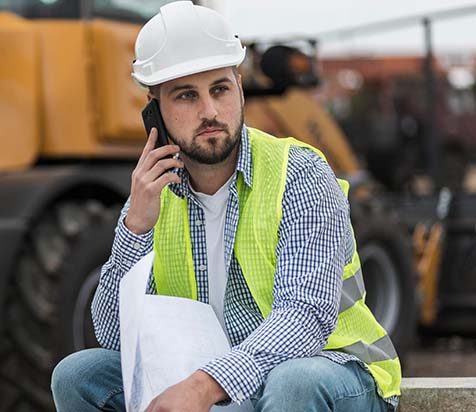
450	357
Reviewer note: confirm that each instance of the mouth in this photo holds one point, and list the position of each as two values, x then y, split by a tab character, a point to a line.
210	131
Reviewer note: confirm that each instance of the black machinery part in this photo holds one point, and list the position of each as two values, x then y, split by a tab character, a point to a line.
389	276
66	218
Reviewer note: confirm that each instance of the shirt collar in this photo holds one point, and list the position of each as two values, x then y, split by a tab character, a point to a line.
244	165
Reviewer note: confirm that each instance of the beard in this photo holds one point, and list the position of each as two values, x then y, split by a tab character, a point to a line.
214	150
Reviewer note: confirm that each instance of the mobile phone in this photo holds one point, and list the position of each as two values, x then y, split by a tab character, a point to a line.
153	118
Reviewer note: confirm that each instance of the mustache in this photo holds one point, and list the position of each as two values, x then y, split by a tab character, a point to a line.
213	123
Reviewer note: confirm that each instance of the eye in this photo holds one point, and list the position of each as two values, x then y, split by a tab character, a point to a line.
187	95
220	89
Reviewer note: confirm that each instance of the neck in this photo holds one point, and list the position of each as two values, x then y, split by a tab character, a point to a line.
209	178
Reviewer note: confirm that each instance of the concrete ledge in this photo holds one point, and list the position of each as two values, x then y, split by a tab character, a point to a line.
438	395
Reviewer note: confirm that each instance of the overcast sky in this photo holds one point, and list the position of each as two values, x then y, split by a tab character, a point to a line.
269	18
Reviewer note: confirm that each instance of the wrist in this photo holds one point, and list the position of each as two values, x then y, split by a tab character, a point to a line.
212	390
130	224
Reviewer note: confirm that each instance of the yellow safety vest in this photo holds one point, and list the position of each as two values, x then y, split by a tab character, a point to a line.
357	331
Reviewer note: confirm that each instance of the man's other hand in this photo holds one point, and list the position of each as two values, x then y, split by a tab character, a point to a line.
198	393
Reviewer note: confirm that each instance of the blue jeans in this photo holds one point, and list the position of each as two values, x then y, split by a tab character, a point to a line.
91	380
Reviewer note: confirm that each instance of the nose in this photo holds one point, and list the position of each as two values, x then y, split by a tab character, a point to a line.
207	109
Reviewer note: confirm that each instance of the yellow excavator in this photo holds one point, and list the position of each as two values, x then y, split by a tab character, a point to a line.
71	133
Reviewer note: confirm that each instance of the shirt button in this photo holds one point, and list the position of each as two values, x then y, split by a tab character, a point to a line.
136	246
240	396
198	222
202	267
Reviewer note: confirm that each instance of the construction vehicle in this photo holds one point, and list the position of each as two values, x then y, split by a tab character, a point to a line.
71	133
384	113
424	153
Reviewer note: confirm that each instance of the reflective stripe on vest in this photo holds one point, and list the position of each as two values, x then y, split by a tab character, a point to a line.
353	289
357	332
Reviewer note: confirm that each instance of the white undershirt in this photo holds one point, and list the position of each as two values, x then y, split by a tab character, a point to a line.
214	207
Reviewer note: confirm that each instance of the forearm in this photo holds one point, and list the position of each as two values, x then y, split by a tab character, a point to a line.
127	249
142	208
288	333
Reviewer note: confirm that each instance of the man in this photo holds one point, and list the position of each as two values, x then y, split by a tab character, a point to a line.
266	240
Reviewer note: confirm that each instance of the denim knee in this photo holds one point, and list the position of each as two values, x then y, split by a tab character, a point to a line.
309	384
86	377
64	375
287	388
301	375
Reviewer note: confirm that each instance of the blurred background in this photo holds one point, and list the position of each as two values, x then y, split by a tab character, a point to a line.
385	89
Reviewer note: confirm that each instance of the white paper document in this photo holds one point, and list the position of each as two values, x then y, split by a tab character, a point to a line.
164	340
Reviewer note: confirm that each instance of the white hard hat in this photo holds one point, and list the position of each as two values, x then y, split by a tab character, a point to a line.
184	39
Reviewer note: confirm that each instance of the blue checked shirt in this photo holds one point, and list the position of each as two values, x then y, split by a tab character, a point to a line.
315	242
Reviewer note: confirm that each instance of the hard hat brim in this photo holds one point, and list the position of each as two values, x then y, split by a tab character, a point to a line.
189	68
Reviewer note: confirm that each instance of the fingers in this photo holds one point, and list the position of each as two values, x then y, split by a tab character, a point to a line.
148	181
156	155
155	158
166	179
153	188
141	178
149	146
162	166
145	201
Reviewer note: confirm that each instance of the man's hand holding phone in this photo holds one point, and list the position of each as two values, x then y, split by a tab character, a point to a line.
148	179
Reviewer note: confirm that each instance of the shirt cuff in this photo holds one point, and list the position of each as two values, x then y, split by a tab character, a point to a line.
128	248
237	373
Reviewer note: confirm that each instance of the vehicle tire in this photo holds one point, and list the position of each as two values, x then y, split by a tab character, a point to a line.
389	277
47	313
